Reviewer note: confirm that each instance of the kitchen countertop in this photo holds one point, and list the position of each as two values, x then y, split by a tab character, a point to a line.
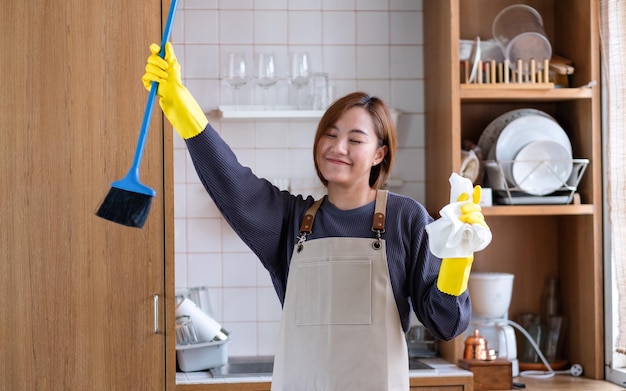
441	368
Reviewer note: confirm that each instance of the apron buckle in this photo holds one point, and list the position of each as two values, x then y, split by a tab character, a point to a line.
301	240
377	245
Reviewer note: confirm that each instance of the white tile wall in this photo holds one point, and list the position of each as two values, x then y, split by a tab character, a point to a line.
371	45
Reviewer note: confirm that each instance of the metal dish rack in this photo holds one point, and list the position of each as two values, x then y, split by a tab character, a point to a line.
508	193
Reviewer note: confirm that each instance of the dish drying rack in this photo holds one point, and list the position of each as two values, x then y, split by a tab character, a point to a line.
507	193
492	74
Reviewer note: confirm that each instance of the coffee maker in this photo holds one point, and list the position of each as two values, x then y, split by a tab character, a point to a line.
491	297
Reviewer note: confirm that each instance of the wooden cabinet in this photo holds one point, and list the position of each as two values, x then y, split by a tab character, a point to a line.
532	242
441	383
76	291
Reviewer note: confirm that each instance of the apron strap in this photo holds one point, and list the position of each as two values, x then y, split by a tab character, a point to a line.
378	223
307	221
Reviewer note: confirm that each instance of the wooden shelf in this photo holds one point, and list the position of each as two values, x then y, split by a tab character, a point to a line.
535	210
259	112
484	93
278	112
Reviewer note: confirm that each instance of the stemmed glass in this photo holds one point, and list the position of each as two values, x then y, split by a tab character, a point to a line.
299	73
265	73
236	73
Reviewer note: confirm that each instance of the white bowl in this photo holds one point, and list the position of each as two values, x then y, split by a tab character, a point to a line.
542	167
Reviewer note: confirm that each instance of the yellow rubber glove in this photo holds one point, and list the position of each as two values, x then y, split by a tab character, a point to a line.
177	103
454	272
471	211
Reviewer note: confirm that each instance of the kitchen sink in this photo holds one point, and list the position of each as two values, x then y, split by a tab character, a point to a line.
417	364
263	366
245	366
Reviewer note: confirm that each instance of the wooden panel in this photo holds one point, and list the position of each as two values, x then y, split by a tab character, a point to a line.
77	291
441	90
575	33
447	383
526	248
582	292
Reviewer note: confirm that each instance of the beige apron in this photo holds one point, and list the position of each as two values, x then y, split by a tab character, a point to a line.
340	328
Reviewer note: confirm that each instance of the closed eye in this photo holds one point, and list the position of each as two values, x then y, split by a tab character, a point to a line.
356	136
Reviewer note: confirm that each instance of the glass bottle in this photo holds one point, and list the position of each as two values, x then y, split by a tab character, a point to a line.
551	301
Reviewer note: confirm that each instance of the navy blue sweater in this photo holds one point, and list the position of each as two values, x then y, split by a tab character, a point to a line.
268	221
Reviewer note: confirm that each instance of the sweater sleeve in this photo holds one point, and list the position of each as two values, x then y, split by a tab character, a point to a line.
446	316
264	217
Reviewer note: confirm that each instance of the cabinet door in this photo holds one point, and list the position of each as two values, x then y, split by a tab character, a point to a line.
76	291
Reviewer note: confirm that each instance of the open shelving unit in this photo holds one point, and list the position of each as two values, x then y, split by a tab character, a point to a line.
534	242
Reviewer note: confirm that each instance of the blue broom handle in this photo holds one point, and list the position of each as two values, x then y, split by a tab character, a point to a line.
143	133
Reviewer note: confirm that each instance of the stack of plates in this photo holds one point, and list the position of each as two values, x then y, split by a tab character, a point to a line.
533	151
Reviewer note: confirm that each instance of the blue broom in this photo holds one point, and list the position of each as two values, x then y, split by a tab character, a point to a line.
128	202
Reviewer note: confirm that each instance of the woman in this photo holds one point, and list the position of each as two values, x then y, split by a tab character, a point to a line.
347	268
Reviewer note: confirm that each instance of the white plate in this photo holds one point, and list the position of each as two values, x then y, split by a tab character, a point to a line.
526	129
476	58
542	167
490	135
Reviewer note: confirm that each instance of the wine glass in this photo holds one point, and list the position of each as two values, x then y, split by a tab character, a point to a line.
298	73
265	73
236	73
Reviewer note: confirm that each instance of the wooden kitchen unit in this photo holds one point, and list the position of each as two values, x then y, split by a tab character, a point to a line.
441	375
434	383
438	383
82	298
533	242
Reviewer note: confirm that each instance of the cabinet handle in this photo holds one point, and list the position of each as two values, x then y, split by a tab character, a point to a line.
156	313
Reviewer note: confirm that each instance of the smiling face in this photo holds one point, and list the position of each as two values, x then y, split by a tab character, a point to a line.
348	149
355	143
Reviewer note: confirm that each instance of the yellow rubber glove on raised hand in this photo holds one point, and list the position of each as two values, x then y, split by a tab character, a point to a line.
177	103
471	212
454	272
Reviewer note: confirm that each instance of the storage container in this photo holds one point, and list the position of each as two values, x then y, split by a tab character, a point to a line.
202	356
